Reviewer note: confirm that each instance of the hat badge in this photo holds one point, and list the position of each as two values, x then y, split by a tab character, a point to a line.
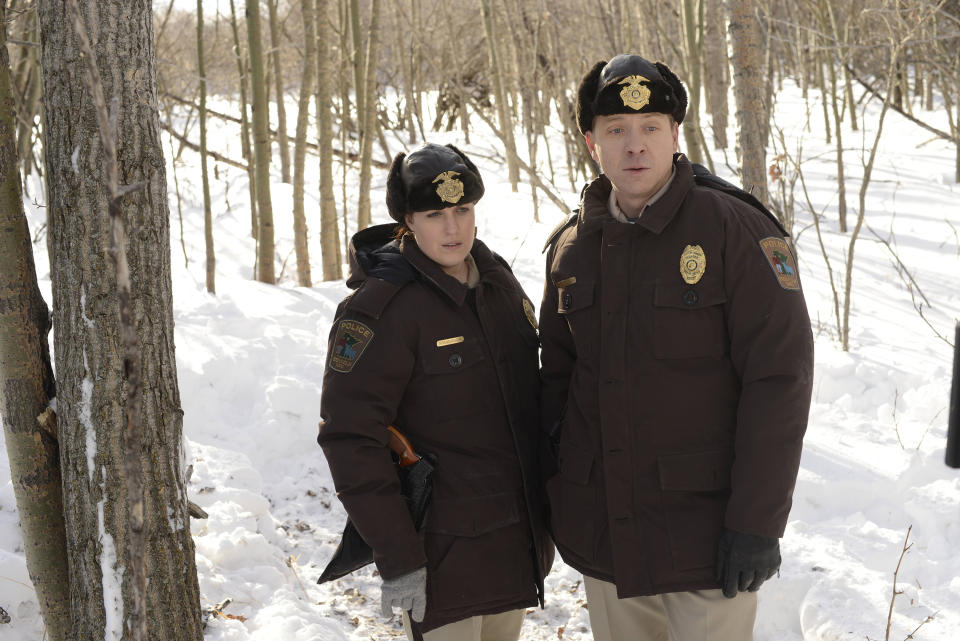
635	95
450	188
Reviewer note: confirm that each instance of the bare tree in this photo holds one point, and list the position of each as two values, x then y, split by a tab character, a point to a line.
27	385
278	80
242	66
211	262
300	144
750	95
329	237
113	318
368	115
261	147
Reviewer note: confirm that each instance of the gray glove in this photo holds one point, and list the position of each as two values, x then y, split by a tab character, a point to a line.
408	592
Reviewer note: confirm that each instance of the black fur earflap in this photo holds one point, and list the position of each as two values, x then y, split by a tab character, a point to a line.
586	94
396	194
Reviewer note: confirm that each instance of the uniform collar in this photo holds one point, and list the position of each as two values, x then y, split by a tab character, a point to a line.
595	209
489	268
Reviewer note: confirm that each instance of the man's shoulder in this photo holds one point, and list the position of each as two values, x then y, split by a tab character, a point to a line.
564	225
739	202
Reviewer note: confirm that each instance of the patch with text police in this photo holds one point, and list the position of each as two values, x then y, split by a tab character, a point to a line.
782	262
348	345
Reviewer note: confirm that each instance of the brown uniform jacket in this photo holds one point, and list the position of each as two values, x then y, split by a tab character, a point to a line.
456	371
682	406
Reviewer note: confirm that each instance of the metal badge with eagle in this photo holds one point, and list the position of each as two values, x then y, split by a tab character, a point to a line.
693	263
450	188
635	95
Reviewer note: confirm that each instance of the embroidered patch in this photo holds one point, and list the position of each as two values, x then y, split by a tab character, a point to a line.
634	95
693	262
348	345
450	188
782	262
530	313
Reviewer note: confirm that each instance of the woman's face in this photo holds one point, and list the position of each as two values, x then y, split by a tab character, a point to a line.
445	236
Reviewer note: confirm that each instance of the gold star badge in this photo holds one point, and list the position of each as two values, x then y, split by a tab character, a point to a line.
693	262
450	188
635	95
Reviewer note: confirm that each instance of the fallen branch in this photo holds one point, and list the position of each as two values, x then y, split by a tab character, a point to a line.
919	123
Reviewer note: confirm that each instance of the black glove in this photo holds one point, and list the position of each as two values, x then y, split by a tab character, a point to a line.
745	561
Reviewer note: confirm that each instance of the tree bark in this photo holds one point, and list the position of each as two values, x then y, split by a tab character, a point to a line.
211	267
300	146
27	385
93	389
278	80
368	115
329	234
692	11
261	147
750	96
718	77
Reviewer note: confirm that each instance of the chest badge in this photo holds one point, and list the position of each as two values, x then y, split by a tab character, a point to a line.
450	188
635	95
693	263
781	261
348	345
530	314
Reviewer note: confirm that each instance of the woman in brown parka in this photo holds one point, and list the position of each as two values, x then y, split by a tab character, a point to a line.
439	340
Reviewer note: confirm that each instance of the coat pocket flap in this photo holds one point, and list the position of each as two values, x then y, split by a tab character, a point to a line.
683	296
705	471
450	355
573	296
473	516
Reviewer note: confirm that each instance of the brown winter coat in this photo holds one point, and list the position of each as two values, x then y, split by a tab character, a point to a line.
455	370
682	407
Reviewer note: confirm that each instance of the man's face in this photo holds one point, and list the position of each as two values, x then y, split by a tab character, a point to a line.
635	151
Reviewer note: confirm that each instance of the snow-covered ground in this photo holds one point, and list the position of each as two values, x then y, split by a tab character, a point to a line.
250	362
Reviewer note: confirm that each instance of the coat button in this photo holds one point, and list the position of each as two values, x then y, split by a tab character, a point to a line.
567	300
456	360
690	297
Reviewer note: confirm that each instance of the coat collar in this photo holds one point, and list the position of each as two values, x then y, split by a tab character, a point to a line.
595	212
491	270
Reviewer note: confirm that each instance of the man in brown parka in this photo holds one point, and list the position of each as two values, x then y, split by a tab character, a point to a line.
676	375
453	365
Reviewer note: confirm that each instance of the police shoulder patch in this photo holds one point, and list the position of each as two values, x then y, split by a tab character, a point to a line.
351	339
781	261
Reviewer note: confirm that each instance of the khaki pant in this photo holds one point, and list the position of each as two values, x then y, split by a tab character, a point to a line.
702	615
490	627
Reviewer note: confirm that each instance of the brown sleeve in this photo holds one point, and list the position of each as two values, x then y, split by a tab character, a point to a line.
558	353
357	404
771	346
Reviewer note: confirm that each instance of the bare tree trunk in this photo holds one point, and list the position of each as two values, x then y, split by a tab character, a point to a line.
692	11
211	270
27	385
300	146
278	80
749	93
503	111
369	115
245	121
718	78
261	147
96	389
329	235
359	66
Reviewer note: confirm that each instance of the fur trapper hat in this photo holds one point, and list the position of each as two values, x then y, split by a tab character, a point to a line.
629	84
432	177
